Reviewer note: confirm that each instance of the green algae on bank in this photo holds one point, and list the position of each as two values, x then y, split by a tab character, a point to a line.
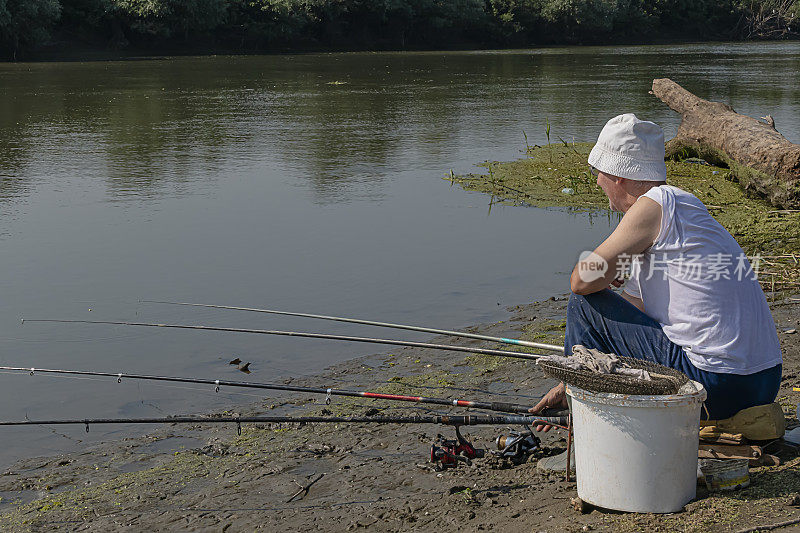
558	176
539	179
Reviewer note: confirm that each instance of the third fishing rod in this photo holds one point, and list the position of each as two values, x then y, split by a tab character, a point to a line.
445	452
504	340
447	420
503	407
484	351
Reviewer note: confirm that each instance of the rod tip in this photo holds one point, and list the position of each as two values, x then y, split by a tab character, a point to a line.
23	320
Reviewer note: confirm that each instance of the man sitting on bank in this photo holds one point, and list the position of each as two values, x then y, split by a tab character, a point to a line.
692	301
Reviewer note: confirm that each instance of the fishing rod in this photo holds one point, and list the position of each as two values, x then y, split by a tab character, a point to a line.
445	452
448	420
518	342
217	383
484	351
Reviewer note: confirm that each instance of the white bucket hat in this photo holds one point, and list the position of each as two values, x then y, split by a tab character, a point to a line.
630	148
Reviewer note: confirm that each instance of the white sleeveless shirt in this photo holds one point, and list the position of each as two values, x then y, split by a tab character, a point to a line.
697	283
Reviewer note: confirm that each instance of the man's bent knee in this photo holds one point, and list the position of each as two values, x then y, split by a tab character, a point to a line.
587	304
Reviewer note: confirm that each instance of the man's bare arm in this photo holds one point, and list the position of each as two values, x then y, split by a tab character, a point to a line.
635	233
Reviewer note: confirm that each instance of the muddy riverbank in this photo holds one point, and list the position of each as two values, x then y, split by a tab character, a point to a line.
207	477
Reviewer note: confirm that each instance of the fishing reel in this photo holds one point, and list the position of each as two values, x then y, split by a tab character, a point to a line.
449	453
517	446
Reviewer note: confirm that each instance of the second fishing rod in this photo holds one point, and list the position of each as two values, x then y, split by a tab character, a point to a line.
503	407
484	351
424	329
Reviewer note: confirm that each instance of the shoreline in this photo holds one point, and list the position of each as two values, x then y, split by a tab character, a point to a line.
99	54
374	476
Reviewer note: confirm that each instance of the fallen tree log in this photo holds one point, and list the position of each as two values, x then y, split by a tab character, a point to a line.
760	158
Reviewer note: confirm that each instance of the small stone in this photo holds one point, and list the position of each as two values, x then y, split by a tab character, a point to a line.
790	331
580	505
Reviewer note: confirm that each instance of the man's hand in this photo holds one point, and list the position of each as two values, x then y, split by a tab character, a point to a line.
555	398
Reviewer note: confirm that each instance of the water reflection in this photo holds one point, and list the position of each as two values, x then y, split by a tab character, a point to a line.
153	127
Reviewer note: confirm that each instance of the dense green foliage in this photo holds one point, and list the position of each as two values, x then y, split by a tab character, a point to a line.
263	25
26	22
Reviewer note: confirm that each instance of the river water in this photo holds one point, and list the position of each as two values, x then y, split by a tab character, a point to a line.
299	182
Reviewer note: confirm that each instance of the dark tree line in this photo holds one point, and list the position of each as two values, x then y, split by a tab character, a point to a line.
275	25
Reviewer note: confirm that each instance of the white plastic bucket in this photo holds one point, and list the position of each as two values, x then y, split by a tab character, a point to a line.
636	453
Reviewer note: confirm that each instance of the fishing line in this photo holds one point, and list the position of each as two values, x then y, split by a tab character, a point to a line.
141	398
59	434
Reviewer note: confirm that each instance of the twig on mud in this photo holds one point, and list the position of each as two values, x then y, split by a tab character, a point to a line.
304	489
770	527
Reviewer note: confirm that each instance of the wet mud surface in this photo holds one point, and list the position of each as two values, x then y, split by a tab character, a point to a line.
375	477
